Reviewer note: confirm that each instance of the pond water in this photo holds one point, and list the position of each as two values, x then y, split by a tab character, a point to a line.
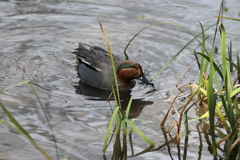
37	38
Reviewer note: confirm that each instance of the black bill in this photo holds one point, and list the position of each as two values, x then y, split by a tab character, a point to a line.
144	79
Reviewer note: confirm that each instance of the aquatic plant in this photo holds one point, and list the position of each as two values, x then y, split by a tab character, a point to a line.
17	126
216	90
121	118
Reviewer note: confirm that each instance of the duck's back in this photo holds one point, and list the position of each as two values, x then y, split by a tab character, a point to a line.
95	66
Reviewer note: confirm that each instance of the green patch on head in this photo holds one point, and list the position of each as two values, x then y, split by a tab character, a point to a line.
125	65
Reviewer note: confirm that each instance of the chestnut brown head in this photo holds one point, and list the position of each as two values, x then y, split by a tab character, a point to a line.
128	70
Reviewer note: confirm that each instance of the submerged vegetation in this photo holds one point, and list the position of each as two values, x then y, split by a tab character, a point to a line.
214	94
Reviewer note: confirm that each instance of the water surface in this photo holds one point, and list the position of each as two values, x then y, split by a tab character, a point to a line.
37	38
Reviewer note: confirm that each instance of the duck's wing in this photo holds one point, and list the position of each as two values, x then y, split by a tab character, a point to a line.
94	57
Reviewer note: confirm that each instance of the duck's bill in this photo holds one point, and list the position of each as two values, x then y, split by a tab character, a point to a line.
144	79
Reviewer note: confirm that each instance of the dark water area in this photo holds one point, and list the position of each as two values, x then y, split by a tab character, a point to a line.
36	41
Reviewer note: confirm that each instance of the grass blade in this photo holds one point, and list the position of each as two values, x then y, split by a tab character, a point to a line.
203	65
46	116
14	121
109	128
128	107
167	64
112	61
30	139
140	133
17	84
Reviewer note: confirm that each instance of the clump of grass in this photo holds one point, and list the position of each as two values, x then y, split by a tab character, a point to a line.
119	117
217	89
211	74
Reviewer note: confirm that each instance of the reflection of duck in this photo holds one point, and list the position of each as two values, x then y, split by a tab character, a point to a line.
94	68
93	93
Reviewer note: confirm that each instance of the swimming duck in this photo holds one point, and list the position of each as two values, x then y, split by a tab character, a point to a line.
95	69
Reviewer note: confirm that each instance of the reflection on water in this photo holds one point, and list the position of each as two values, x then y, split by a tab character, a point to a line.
123	148
96	94
91	92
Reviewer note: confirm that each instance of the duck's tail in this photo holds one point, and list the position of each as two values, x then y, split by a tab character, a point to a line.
80	45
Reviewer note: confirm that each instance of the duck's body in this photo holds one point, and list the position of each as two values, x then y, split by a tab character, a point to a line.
95	69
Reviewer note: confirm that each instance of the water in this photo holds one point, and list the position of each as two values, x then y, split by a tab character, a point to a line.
37	38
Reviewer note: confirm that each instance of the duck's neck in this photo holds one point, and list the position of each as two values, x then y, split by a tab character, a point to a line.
125	85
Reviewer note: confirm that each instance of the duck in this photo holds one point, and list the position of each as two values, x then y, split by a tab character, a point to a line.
94	68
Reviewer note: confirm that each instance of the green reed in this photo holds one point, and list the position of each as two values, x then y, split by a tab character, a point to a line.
219	89
227	110
119	117
17	126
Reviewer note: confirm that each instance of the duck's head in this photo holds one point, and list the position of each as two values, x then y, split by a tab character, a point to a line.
128	70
